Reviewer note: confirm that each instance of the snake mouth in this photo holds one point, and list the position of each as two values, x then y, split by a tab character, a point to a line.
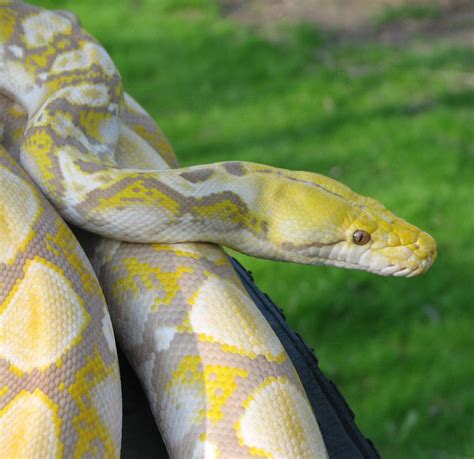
408	271
376	266
399	261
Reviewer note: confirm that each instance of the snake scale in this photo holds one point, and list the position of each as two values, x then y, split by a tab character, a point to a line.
217	378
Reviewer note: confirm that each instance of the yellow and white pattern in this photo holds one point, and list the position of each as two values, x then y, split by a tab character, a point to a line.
218	381
48	339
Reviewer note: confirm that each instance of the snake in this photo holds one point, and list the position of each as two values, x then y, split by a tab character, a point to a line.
76	149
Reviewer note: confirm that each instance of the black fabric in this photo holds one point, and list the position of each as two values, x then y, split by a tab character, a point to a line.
141	439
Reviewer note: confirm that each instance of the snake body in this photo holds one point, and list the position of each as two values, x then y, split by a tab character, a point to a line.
59	380
217	378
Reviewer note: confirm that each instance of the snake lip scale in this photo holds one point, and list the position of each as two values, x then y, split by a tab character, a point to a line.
75	146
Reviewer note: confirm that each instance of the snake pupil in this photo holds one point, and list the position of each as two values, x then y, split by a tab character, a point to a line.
361	237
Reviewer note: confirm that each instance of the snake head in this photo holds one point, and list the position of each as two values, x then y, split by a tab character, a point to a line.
378	241
317	220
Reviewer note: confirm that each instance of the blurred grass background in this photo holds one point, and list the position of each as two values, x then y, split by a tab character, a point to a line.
384	109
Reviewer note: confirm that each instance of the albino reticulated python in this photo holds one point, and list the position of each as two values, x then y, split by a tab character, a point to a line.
217	378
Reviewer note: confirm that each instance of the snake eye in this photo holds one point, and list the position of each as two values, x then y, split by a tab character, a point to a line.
361	237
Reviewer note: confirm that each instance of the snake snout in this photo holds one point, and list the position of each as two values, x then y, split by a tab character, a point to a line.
425	251
411	259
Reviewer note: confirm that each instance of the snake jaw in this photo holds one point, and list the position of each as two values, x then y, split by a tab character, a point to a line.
378	256
402	260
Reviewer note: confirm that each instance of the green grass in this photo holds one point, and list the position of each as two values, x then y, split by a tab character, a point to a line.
392	123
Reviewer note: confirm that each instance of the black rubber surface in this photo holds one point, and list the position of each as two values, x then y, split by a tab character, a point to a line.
141	439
